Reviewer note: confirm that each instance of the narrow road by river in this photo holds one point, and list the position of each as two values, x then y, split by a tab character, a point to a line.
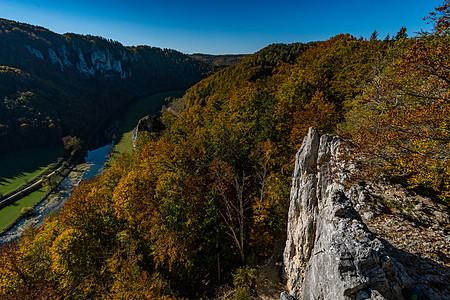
31	186
94	165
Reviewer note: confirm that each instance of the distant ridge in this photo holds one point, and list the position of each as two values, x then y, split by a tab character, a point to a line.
220	60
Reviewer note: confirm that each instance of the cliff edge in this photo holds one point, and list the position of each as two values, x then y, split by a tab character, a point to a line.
330	253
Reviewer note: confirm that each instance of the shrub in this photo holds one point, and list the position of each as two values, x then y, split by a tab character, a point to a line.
26	211
244	281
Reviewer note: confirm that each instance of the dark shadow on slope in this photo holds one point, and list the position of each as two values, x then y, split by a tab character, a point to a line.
426	274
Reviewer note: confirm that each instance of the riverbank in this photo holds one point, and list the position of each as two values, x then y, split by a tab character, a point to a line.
22	202
45	203
53	202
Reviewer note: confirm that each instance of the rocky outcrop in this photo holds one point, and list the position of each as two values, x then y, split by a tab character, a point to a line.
82	66
63	53
35	52
416	207
149	124
286	296
55	59
103	61
330	253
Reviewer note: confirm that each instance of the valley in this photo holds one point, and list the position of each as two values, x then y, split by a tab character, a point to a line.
44	202
55	85
309	170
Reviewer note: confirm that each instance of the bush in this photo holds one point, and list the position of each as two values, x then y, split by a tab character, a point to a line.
26	211
244	281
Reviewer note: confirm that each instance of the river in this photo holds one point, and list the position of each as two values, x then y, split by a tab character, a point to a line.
93	165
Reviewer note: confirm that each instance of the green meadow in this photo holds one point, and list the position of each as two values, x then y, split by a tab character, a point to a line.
10	213
18	168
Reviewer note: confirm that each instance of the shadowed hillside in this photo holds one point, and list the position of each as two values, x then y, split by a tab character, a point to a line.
54	85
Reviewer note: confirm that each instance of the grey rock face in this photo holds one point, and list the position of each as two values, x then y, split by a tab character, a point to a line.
82	65
330	253
35	52
103	61
63	53
149	124
286	296
89	62
55	59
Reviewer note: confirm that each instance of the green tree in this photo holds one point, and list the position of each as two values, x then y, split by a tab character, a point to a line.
400	124
73	145
401	34
374	36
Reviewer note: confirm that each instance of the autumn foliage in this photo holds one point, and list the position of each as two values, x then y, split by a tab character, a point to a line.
211	193
399	126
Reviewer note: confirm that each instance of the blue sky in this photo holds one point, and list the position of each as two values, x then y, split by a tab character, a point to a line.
217	27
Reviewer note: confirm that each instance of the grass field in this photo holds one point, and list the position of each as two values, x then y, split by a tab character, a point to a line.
145	106
10	213
20	167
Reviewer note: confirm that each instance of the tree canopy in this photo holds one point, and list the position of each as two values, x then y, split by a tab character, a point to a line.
211	192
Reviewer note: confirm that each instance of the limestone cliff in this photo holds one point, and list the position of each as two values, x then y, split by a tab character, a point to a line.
71	84
149	124
106	61
330	253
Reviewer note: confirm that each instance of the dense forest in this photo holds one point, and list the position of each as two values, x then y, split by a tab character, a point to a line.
55	85
209	195
220	61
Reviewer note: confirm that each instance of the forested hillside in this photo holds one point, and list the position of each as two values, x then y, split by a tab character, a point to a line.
210	194
53	85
